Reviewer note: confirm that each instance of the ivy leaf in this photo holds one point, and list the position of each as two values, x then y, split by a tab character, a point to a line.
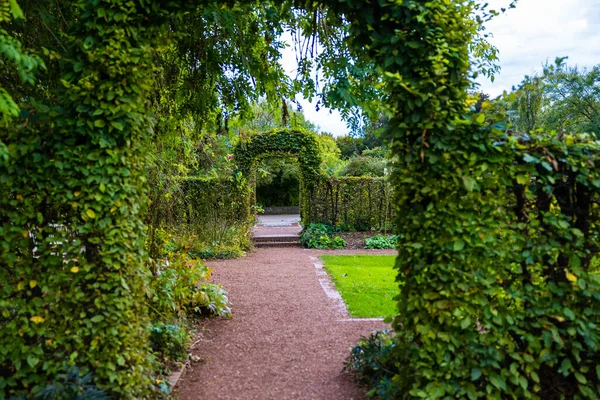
32	360
569	313
90	213
97	318
475	374
571	277
581	378
522	179
459	245
469	183
498	381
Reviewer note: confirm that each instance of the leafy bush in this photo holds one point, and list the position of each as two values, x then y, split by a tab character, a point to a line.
169	342
373	361
320	236
72	386
217	253
177	288
381	242
360	166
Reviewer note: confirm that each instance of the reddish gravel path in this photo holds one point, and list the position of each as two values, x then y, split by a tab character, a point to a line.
285	340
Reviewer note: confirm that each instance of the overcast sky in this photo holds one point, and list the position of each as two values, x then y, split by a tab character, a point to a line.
527	36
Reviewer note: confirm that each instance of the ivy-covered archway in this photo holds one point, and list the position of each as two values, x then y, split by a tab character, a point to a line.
281	142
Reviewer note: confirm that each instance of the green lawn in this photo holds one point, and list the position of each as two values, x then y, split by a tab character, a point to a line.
366	284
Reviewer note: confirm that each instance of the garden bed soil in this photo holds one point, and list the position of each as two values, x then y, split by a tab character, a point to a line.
356	240
286	339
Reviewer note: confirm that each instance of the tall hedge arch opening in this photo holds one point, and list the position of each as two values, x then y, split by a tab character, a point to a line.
282	142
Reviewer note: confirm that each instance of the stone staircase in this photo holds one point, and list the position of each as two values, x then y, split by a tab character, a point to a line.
283	240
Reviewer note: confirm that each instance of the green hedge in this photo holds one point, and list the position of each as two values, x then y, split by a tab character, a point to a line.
362	203
212	209
282	142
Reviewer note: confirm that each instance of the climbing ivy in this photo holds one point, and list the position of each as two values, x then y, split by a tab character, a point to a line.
499	233
284	142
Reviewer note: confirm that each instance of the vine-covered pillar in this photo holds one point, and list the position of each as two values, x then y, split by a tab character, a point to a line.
444	215
71	233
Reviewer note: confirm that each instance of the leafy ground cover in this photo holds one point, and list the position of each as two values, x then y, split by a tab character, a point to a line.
366	283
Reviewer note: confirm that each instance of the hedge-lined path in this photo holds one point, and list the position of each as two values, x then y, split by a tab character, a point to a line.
286	340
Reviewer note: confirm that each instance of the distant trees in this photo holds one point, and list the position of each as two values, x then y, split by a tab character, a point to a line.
561	99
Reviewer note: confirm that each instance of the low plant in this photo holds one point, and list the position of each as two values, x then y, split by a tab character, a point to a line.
374	363
320	236
72	385
216	253
169	342
381	242
178	287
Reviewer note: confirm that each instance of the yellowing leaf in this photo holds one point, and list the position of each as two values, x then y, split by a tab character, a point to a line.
90	213
19	197
25	234
77	194
21	286
75	270
37	319
571	277
33	283
569	140
522	179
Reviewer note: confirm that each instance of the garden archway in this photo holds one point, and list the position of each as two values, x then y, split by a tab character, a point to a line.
281	142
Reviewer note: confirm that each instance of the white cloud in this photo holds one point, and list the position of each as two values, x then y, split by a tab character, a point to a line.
541	30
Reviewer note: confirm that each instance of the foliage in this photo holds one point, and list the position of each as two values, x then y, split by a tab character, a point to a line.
381	242
562	99
361	166
320	236
278	183
284	142
14	57
572	98
356	145
72	386
178	288
206	214
496	300
366	282
364	203
373	360
169	342
331	164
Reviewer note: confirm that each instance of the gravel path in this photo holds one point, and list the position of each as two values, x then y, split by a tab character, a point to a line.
286	340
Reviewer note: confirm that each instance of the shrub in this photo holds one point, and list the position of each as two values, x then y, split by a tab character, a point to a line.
361	166
373	361
72	386
381	242
320	236
169	342
177	288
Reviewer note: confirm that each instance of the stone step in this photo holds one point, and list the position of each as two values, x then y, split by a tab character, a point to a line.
276	238
278	244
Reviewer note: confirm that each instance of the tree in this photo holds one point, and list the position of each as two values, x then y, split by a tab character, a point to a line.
572	98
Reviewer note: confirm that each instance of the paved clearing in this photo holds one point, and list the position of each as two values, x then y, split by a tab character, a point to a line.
286	340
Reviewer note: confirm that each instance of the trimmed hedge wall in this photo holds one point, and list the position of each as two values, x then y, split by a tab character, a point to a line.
209	207
363	203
